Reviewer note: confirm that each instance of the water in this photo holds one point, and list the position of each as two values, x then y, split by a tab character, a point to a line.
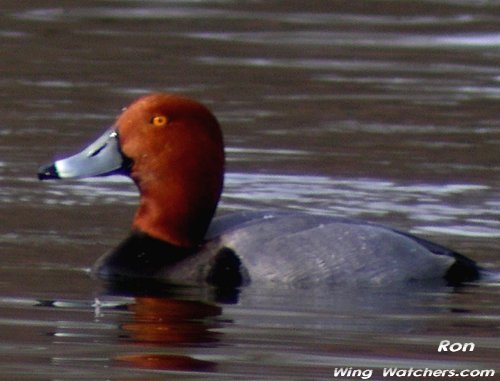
386	111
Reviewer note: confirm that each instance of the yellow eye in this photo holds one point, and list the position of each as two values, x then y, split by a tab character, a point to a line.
159	121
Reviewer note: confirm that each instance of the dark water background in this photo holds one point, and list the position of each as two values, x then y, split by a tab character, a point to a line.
382	110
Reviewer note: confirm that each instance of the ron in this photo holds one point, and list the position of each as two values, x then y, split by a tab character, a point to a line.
448	346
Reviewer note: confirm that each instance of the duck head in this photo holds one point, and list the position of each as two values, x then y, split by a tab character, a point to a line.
172	147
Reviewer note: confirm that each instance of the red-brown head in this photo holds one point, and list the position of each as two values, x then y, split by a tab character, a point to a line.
172	147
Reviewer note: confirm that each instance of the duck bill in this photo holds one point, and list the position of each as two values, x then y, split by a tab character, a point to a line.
102	157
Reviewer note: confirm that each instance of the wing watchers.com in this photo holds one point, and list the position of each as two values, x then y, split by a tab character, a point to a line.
424	373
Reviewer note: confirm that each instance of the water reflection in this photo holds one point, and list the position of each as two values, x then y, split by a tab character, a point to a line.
170	321
183	330
167	322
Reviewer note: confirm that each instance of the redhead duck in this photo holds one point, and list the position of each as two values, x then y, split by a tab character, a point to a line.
172	148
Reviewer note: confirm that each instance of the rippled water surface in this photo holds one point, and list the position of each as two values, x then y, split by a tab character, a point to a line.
382	110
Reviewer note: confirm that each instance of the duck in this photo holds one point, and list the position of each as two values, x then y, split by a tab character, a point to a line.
172	147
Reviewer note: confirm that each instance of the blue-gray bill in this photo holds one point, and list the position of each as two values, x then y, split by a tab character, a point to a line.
101	158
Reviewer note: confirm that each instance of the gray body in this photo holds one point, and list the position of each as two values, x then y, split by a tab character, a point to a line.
306	250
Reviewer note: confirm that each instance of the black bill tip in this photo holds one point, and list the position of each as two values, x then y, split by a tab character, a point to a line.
47	172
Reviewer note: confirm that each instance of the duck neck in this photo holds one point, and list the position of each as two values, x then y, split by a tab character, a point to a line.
172	213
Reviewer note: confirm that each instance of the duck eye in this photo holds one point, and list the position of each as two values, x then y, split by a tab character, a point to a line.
159	121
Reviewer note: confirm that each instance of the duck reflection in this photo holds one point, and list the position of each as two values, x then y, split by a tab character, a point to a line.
159	323
170	321
166	362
